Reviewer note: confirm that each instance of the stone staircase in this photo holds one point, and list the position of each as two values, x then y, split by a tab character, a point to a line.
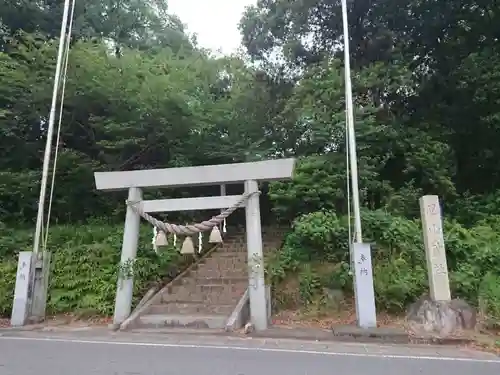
206	295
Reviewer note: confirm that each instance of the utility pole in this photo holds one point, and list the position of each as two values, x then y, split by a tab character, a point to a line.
351	137
50	131
33	307
361	252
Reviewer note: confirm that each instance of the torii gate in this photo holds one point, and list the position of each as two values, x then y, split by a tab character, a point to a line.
247	173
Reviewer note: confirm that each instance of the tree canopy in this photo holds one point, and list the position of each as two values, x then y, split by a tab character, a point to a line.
142	94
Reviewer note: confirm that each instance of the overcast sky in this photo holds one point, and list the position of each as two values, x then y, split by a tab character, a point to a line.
214	21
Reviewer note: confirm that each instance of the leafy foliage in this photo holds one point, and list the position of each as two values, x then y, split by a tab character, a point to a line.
84	267
399	269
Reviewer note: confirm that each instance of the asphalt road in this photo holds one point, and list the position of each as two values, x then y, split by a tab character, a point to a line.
133	354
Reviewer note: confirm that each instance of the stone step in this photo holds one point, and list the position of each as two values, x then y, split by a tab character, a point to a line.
192	286
225	273
227	254
223	264
181	331
225	261
220	280
243	239
232	249
208	272
201	281
221	299
242	247
222	260
178	320
201	295
206	296
188	307
233	240
243	242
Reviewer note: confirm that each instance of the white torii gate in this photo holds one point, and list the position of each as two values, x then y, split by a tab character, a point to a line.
247	173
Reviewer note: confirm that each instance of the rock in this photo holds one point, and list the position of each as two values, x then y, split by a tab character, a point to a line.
334	294
114	327
440	317
248	328
334	297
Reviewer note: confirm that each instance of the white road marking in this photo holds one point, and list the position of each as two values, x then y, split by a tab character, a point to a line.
255	349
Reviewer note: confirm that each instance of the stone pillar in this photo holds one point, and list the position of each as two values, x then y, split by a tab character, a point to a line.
22	292
125	288
40	287
437	268
363	286
256	285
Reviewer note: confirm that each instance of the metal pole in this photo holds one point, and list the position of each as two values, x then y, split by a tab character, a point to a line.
350	127
50	130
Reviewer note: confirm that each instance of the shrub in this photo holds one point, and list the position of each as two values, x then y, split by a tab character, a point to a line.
320	235
397	283
85	265
309	284
489	298
399	267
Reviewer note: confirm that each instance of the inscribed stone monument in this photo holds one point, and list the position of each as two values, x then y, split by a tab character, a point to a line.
435	252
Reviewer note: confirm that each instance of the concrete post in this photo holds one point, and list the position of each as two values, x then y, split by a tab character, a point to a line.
435	253
363	286
257	288
125	288
40	287
20	306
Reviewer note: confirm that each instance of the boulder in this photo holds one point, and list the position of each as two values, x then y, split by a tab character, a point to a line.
334	298
444	318
248	328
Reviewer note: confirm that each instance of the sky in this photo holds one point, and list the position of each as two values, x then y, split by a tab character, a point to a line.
214	21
